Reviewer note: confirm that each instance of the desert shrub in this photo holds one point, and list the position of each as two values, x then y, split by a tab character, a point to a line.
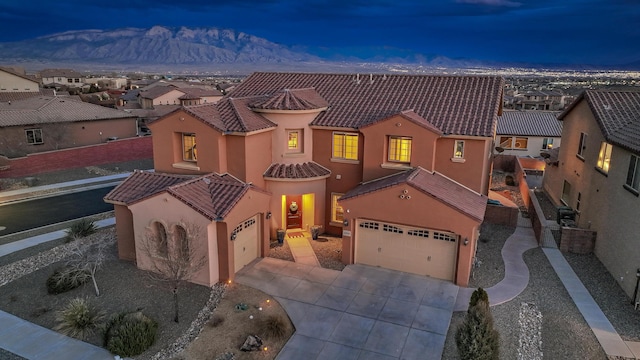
273	326
476	338
65	279
81	228
215	321
79	319
130	334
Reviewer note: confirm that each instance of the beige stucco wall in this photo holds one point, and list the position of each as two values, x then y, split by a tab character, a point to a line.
125	233
280	188
420	211
13	83
291	120
170	98
475	171
248	157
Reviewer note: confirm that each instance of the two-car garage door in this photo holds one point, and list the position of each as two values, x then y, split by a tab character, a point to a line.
405	248
245	244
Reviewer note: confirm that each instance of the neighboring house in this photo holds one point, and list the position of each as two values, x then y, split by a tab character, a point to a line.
597	173
170	95
396	164
539	100
527	133
13	81
49	123
62	77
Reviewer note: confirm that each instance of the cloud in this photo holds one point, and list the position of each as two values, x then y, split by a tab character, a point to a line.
491	2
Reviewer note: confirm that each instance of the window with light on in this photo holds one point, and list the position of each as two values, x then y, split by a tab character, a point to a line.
189	152
399	149
345	146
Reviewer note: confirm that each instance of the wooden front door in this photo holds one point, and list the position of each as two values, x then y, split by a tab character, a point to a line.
294	211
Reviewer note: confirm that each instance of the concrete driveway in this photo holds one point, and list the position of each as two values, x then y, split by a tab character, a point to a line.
362	312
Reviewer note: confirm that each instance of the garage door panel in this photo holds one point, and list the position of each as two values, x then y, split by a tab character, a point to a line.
245	245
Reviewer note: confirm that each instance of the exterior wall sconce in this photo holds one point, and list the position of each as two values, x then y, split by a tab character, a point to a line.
466	241
233	236
345	222
268	214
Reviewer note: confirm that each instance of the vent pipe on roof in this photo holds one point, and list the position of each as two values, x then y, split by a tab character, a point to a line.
370	78
357	78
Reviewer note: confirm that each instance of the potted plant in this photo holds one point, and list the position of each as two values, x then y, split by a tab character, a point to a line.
315	231
280	233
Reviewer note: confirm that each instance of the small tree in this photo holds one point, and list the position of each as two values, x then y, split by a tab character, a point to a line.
476	337
89	256
174	257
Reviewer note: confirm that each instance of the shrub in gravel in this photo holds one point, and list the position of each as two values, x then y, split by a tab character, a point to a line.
273	326
81	228
130	334
79	319
65	279
476	338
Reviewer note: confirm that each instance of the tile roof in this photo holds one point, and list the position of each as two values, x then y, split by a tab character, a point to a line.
292	99
617	114
430	183
21	95
460	105
306	170
68	73
211	195
157	91
51	109
229	115
413	117
529	123
141	185
200	92
15	73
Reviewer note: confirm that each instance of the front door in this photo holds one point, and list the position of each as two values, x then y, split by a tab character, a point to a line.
294	211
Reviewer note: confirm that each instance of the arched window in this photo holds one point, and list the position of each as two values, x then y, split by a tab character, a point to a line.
182	243
161	239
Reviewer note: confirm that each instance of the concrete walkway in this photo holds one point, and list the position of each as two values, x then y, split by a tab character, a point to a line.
301	249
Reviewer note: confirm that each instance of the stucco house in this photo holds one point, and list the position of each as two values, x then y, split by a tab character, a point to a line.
398	165
597	173
14	81
527	133
172	95
62	77
46	123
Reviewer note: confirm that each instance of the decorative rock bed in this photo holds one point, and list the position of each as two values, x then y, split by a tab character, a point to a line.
530	341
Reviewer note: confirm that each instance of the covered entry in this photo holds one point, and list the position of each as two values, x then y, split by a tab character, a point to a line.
405	248
245	242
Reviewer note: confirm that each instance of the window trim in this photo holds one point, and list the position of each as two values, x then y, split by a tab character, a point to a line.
299	141
582	145
194	157
35	138
343	150
566	185
399	149
634	161
334	207
547	143
458	156
604	162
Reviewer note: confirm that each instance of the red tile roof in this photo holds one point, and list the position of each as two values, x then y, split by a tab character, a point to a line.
460	105
617	113
413	117
296	171
292	99
432	184
229	115
141	185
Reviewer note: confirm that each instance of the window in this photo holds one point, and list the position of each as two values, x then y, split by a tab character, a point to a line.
547	143
76	80
336	210
582	145
458	150
161	239
370	225
505	142
420	233
189	152
521	143
633	175
604	157
391	228
182	243
345	146
294	140
566	192
69	80
34	136
399	149
578	202
444	236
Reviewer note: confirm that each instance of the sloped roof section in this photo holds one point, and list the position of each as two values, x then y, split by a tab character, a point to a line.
141	185
157	91
68	73
413	117
617	114
294	99
530	123
306	170
239	118
52	109
211	195
458	105
21	95
433	184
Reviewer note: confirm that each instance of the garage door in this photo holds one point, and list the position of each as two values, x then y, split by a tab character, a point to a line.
245	245
405	248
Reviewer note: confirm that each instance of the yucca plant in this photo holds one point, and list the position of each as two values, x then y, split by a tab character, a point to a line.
79	319
81	228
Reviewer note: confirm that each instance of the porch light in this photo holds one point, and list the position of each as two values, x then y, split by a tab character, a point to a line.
345	222
466	241
233	236
268	214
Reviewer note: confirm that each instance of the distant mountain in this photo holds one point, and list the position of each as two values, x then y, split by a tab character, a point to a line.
156	45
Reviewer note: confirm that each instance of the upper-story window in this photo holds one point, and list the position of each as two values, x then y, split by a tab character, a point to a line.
69	80
345	146
582	146
294	140
604	157
547	143
458	149
633	174
399	149
189	152
512	142
34	136
337	213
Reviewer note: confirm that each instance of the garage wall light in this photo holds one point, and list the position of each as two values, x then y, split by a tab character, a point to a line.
345	222
466	241
233	236
268	214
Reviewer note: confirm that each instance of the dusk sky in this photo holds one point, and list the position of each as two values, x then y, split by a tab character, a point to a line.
598	32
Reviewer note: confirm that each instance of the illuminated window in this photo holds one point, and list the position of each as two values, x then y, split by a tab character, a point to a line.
345	146
547	143
294	139
336	209
34	136
604	157
399	149
505	142
521	143
189	152
458	150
